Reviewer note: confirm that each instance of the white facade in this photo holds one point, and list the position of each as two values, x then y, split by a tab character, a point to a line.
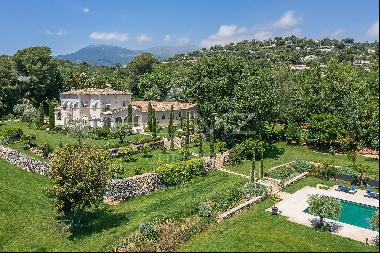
106	107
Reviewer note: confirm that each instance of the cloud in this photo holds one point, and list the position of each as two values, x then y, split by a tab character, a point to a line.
288	19
167	38
142	38
338	32
59	32
183	41
262	35
226	34
86	10
373	31
120	37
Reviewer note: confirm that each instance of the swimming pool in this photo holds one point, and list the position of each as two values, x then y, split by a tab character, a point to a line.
355	214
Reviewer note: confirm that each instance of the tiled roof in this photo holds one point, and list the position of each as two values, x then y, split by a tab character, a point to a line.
94	91
162	106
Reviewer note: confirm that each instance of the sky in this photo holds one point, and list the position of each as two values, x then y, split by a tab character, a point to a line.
68	25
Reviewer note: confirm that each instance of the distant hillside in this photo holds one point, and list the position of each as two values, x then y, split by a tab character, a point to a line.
112	55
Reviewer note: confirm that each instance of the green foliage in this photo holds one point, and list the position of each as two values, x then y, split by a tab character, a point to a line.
324	207
292	133
25	110
120	130
46	149
117	171
282	173
51	116
129	118
12	132
79	174
324	129
301	166
180	172
375	221
41	116
30	138
204	210
250	190
148	230
151	117
137	170
223	200
171	128
220	146
101	133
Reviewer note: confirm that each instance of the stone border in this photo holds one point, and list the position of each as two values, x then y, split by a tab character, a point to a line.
235	210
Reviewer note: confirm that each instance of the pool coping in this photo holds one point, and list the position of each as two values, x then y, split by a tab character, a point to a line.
293	206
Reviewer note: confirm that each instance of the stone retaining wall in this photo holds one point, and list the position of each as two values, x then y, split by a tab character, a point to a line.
24	162
122	189
240	208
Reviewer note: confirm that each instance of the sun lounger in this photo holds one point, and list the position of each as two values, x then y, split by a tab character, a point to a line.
353	189
369	192
340	187
374	195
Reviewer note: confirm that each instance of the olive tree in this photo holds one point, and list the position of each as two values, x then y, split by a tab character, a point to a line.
79	174
374	222
324	206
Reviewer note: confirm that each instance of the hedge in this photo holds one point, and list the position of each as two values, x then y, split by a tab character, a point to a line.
180	172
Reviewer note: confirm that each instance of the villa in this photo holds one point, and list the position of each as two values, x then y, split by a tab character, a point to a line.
106	107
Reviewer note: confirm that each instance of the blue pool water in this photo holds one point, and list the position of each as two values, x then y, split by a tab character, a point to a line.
355	214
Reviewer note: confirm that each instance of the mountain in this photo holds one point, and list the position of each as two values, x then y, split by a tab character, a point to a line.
112	55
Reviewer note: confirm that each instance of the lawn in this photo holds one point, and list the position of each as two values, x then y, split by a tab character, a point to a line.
257	230
284	153
28	221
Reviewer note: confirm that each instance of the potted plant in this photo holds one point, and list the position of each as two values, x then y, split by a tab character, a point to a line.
274	199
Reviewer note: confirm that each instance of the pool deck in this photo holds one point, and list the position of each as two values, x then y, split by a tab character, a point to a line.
293	205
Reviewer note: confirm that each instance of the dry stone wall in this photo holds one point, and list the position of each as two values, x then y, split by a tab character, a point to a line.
24	162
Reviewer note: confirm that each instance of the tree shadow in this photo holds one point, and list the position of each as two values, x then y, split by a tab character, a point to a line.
99	220
273	152
327	225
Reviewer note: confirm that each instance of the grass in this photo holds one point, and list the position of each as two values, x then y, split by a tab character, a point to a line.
257	230
283	153
309	181
28	220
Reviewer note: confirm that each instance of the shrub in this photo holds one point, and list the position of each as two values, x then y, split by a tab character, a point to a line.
117	171
301	166
204	210
251	190
148	230
25	110
12	132
180	172
30	138
101	132
282	173
292	133
46	149
137	170
164	149
128	151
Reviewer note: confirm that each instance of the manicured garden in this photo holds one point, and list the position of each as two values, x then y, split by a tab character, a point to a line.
258	230
29	221
282	153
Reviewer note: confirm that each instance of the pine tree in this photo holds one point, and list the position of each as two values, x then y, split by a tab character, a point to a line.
129	118
171	128
51	116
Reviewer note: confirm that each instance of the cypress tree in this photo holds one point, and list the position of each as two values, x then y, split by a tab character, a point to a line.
150	117
200	145
253	169
262	165
129	118
41	115
51	116
212	148
170	128
187	140
154	127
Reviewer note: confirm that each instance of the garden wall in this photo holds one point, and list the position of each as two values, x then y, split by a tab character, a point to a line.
24	162
122	189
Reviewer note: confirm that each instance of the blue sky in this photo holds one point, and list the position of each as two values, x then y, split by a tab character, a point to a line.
68	25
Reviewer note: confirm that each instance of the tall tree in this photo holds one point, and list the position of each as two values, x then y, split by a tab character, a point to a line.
171	128
253	167
129	118
80	174
41	116
262	165
51	116
43	79
150	117
154	127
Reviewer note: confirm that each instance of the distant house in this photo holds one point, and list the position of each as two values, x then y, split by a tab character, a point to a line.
106	107
326	48
309	58
361	62
299	67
